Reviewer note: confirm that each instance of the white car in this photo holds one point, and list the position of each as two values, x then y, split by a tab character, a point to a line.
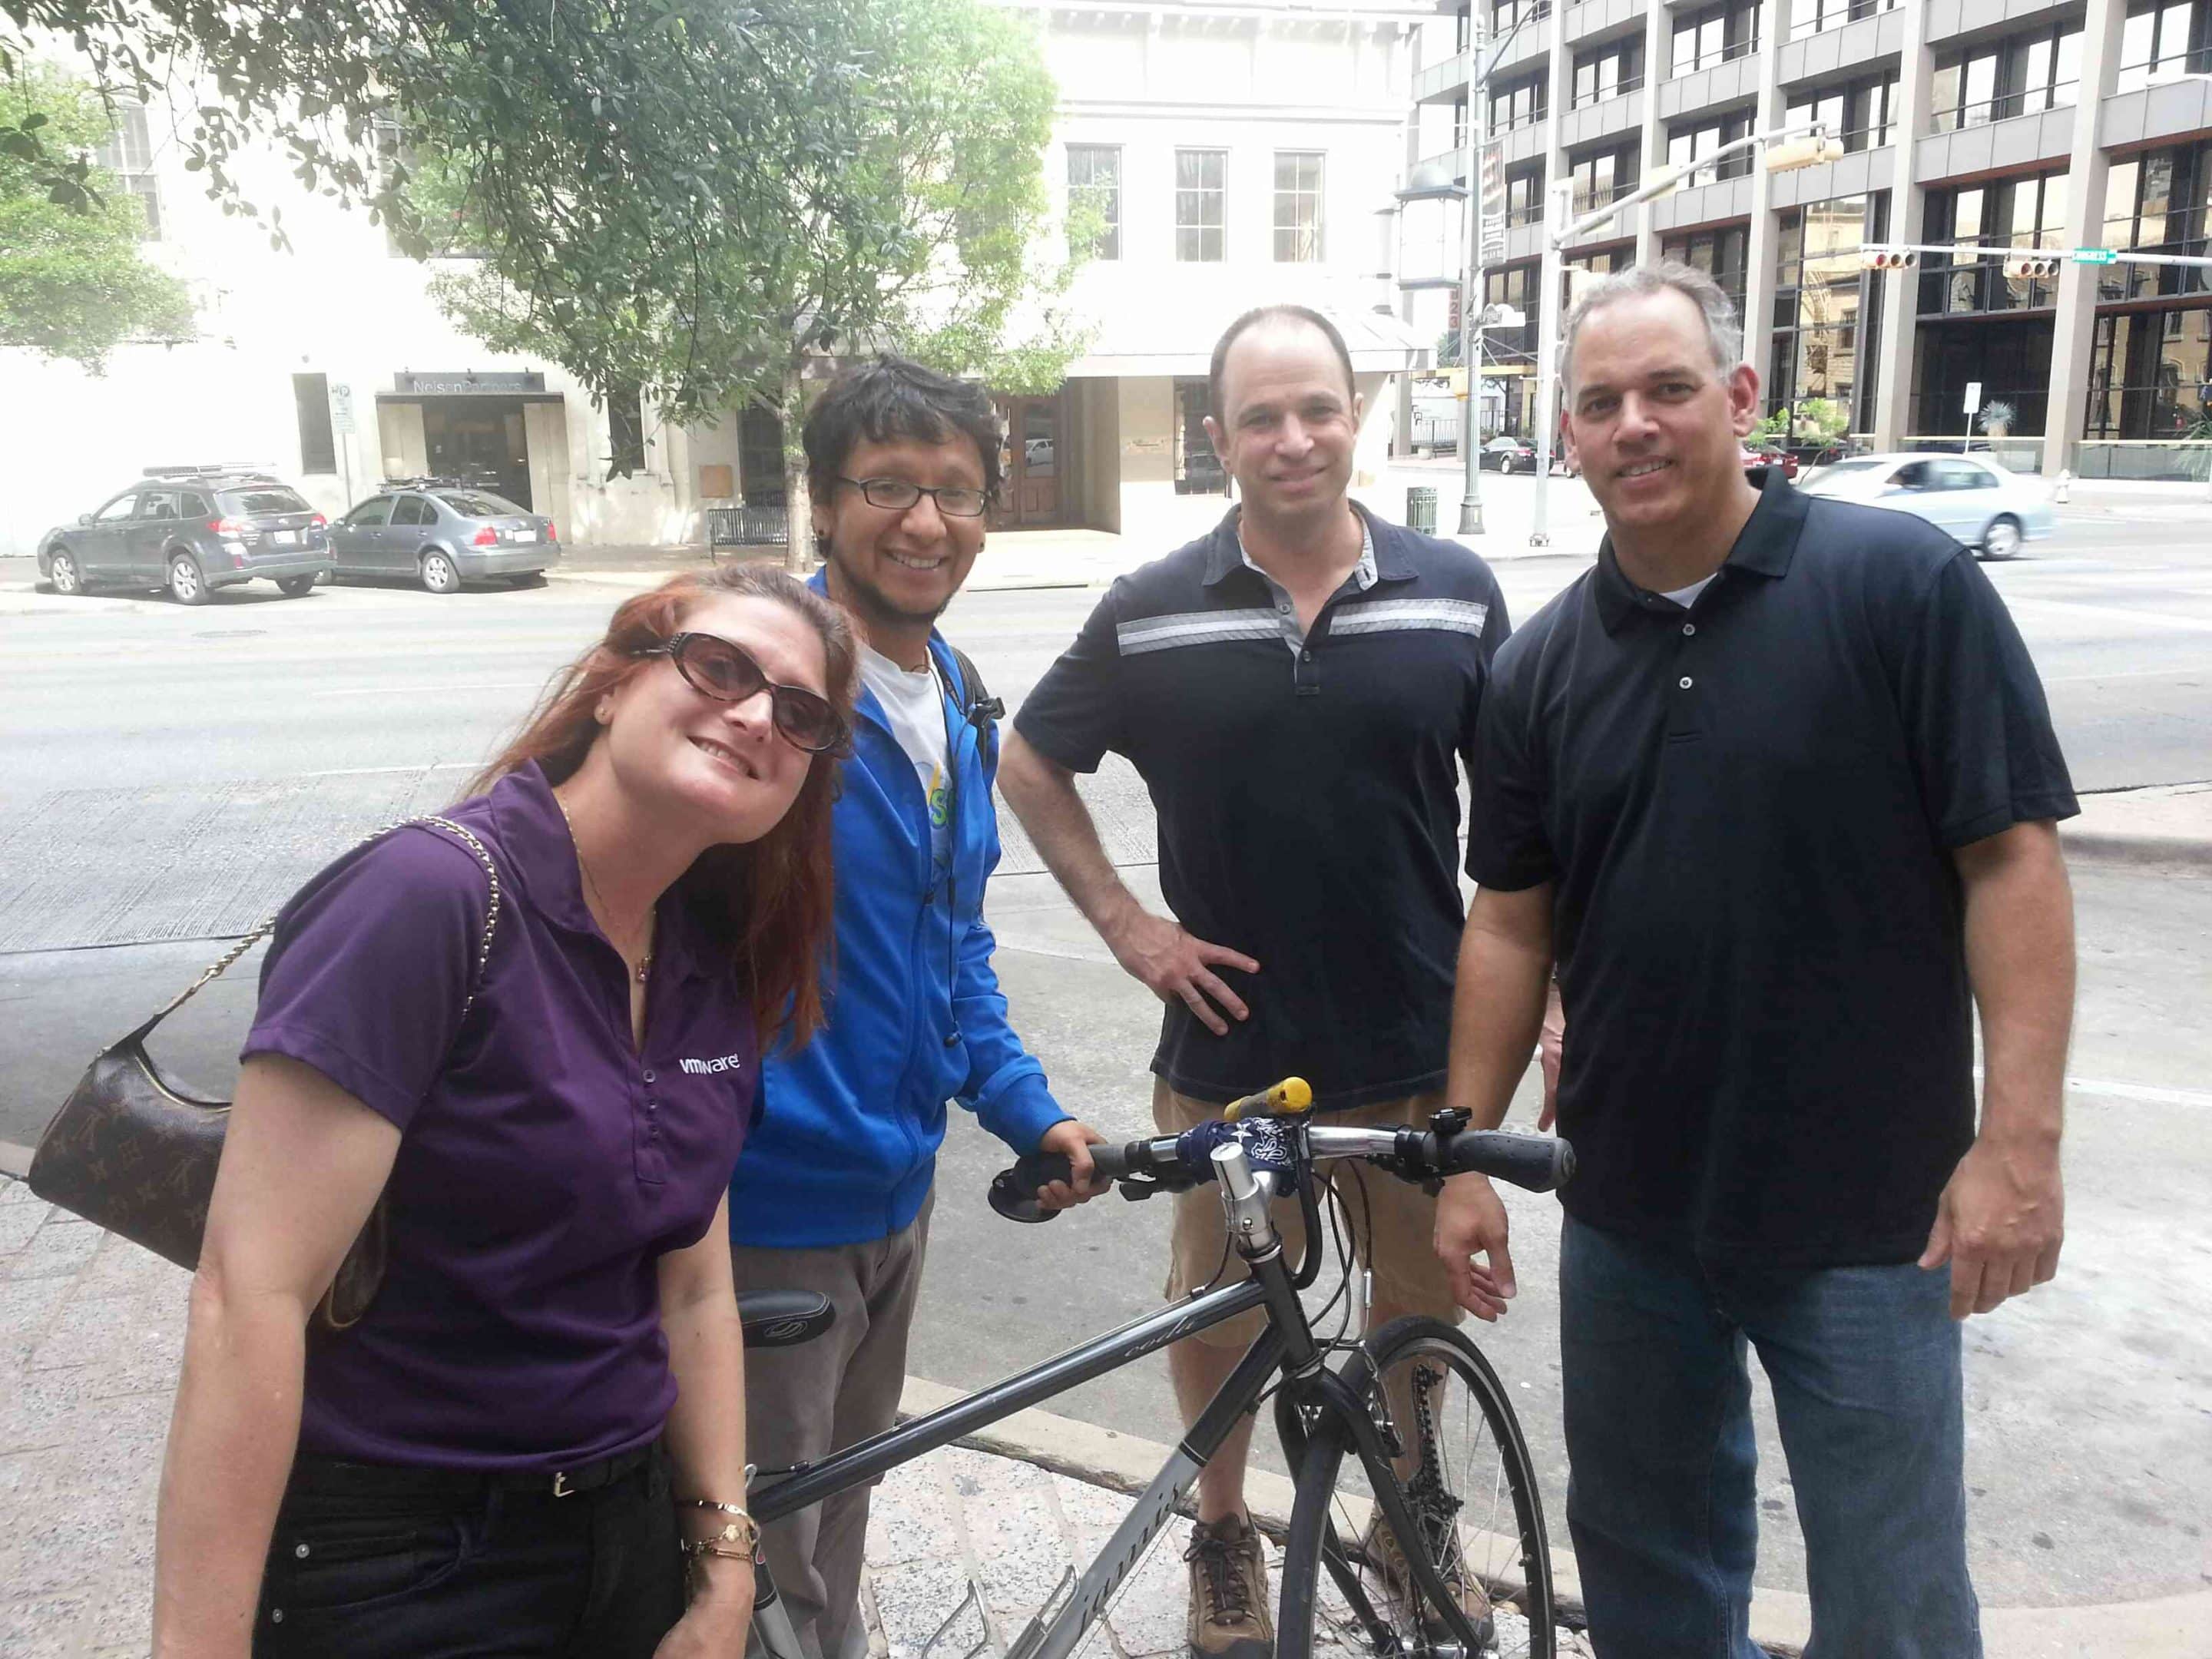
1981	505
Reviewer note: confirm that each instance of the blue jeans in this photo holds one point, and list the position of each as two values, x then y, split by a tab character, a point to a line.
1661	1496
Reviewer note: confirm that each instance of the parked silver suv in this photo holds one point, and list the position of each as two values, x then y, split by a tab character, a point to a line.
442	532
191	529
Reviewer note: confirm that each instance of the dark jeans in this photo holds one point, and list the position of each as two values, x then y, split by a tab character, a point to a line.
433	1564
1663	1495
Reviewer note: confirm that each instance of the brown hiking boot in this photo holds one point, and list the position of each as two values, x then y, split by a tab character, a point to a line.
1228	1592
1381	1551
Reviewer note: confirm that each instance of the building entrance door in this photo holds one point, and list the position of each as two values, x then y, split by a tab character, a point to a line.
1035	461
480	441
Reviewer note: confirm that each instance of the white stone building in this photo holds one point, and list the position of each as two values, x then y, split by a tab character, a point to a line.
1236	153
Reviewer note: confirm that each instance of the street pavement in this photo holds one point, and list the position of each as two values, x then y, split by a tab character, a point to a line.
170	775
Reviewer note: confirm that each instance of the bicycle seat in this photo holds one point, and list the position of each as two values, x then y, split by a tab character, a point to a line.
784	1318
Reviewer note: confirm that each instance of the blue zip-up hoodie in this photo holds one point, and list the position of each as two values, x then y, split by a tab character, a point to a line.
846	1144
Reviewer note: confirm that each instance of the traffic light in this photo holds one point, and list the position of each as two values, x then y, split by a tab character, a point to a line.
1807	152
1887	259
2036	267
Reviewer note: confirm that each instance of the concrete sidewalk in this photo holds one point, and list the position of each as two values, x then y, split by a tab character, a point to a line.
964	1547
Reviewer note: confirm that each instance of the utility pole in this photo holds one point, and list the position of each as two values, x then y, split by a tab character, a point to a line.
1471	303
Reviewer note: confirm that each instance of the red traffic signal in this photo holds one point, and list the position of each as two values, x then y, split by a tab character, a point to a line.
1887	259
2036	267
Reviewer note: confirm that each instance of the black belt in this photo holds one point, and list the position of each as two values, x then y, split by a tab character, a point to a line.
329	1475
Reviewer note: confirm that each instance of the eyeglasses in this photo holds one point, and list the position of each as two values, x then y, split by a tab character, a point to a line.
713	667
955	501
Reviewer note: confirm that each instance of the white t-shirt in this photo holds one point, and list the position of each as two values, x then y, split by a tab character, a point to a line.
914	707
1686	597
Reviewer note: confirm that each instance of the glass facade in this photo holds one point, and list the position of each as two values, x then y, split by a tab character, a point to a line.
1721	254
2010	213
2021	74
1825	324
1607	71
1714	35
1815	16
1862	113
1689	140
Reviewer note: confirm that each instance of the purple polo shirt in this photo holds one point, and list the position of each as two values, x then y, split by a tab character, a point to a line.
545	1164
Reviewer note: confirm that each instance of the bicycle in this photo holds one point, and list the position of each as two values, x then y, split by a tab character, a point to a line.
1391	1403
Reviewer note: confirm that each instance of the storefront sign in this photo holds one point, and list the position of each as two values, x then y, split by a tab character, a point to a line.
466	381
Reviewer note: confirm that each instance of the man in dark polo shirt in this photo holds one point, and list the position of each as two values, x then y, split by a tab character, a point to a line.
1297	689
1776	786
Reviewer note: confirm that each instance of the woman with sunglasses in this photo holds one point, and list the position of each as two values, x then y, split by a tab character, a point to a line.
533	1440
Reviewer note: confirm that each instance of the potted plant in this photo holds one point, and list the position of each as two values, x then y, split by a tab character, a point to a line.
1996	417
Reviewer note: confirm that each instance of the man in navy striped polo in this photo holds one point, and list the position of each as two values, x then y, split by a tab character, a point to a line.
1298	690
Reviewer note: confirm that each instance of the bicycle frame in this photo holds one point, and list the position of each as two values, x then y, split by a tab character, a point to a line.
1310	1394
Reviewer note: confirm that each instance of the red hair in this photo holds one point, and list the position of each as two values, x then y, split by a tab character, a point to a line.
769	902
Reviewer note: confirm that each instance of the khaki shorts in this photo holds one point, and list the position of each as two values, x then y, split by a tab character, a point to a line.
1393	1228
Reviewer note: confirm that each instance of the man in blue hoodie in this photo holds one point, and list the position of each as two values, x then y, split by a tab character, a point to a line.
833	1193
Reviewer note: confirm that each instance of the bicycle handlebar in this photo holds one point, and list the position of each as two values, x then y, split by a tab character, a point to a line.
1540	1164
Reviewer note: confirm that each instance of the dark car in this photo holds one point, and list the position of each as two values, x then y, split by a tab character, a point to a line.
1507	455
191	529
441	533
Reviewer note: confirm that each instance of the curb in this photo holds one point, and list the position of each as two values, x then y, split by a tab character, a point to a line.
2166	1627
15	1161
2187	854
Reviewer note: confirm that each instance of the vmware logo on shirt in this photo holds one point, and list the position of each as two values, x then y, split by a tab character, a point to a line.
708	1067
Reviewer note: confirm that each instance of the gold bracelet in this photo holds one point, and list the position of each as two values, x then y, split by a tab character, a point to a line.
743	1532
704	1546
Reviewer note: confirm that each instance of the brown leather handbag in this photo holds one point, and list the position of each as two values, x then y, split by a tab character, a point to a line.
137	1155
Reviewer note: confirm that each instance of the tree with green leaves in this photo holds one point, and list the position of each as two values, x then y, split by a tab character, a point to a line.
877	186
73	284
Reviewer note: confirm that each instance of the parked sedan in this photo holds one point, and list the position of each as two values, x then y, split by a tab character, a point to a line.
1503	455
1984	506
191	529
441	535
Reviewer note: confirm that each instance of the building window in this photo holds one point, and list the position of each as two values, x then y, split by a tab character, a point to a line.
760	457
1862	113
2150	375
1688	144
626	429
1509	354
1520	105
1201	206
2025	75
311	399
128	153
1094	194
1297	207
1508	15
2013	213
1606	176
1607	72
1197	470
1721	254
1524	196
1820	301
1812	17
1714	35
2163	38
2158	201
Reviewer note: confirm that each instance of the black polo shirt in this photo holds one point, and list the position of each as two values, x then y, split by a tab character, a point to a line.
1307	794
1747	810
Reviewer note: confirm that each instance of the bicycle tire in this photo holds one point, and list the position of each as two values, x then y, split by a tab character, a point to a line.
1316	1546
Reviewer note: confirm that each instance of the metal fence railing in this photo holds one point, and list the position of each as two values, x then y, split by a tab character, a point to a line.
747	527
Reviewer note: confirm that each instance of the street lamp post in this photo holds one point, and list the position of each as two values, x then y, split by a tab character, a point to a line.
1471	299
1811	145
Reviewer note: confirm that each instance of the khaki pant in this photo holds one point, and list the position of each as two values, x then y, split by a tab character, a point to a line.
1393	1222
804	1403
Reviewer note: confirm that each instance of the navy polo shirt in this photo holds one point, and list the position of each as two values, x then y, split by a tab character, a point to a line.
1307	794
545	1162
1747	810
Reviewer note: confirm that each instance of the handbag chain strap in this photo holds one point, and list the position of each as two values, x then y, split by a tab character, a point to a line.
484	951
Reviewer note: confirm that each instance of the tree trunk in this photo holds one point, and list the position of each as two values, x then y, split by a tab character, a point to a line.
798	545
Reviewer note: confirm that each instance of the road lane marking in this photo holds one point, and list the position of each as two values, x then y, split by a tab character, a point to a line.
2109	614
2145	1092
2126	674
385	771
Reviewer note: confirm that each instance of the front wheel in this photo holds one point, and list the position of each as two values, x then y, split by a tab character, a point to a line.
62	572
1463	1472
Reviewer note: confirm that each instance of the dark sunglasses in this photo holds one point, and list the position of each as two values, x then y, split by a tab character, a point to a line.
713	667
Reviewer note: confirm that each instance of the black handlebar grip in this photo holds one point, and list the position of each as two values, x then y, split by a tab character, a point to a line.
1542	1164
1013	1192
